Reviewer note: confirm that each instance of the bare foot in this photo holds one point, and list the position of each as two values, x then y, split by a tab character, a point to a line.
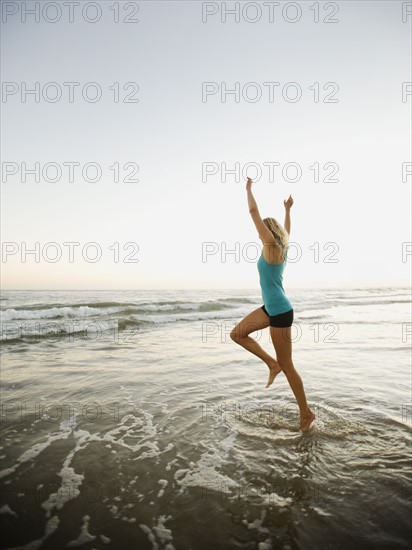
306	421
274	370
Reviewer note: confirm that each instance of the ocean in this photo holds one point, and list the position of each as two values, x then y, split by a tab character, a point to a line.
131	420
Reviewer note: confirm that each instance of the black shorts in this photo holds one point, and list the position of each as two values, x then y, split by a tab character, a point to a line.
283	320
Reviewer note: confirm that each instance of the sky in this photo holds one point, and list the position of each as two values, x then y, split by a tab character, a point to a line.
142	160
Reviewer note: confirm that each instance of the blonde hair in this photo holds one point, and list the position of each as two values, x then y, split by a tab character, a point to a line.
279	232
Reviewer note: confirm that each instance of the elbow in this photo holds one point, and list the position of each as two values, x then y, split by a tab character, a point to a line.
253	210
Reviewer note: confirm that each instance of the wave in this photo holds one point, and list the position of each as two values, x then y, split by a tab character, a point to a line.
371	302
50	313
38	322
311	317
75	332
35	321
98	309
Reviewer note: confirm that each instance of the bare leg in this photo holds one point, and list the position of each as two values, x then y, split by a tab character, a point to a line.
256	320
281	338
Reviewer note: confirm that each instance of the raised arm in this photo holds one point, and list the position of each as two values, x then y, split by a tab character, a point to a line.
263	231
288	205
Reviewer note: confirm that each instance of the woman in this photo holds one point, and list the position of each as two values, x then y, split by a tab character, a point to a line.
277	311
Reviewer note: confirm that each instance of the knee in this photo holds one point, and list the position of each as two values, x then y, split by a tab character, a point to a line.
235	335
285	364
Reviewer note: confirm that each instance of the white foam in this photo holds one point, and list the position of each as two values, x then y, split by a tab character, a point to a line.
150	535
205	474
51	526
114	510
276	500
84	536
54	312
134	427
163	534
70	480
130	520
170	464
163	484
257	524
320	511
265	545
7	510
66	428
68	490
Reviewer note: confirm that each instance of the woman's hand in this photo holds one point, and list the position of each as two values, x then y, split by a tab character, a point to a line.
248	184
288	203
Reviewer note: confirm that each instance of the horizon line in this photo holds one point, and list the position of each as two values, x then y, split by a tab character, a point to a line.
201	288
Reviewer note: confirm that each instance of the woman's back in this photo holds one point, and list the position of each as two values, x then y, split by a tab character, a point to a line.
271	279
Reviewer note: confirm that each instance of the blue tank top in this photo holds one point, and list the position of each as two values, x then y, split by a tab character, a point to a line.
271	283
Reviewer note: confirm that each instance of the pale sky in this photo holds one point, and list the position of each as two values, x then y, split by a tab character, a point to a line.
181	139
